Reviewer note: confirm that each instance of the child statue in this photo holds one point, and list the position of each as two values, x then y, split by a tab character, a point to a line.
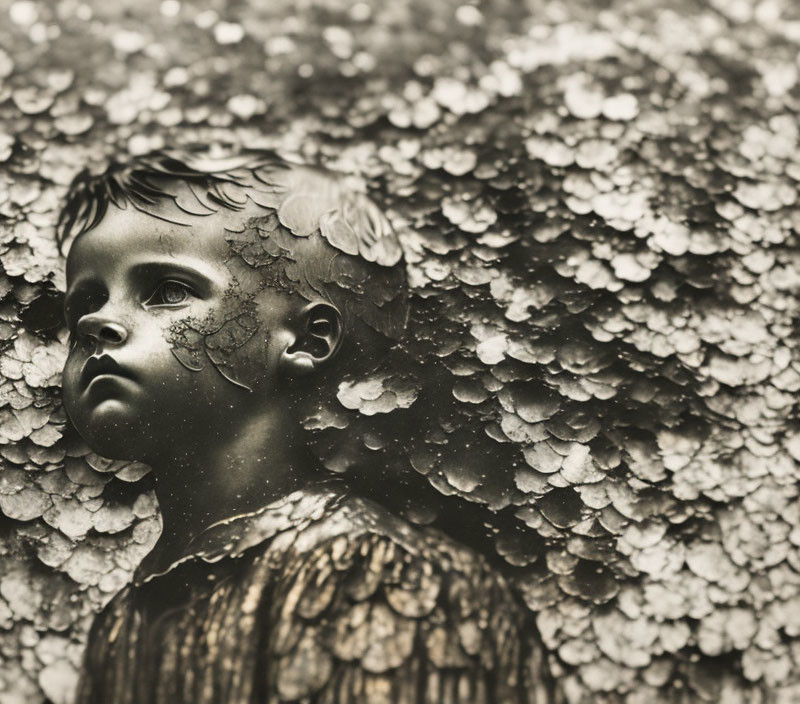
204	299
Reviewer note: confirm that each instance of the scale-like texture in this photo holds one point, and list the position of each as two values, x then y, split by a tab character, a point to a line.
320	598
597	203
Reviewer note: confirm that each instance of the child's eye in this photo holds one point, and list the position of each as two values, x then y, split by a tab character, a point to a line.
170	293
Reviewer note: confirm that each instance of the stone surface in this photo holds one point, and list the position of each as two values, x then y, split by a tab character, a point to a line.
599	213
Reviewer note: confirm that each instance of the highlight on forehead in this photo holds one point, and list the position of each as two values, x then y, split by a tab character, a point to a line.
178	187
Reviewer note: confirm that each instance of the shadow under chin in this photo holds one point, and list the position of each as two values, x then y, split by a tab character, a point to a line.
112	448
110	434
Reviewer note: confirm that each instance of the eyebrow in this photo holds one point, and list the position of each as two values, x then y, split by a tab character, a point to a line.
202	276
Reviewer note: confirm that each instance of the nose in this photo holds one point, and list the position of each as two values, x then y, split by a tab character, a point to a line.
100	328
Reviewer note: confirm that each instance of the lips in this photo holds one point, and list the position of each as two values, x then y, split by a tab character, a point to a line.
101	366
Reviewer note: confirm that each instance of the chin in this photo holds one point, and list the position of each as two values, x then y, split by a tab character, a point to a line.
110	430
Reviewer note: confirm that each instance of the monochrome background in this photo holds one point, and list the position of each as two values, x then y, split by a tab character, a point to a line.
598	207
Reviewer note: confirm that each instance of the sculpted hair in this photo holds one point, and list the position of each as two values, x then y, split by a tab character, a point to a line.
318	236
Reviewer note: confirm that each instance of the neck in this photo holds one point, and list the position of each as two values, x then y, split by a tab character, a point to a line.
218	478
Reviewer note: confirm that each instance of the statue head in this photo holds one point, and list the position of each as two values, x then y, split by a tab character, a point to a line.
202	294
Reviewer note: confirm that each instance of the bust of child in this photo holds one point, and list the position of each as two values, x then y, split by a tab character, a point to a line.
205	300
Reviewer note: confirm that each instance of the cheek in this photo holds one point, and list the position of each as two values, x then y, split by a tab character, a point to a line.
223	340
253	358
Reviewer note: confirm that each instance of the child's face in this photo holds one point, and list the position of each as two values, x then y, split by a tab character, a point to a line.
173	342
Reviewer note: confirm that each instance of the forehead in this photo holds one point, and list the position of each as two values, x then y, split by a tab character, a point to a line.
127	236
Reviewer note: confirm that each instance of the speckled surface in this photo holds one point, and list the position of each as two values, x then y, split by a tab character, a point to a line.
597	203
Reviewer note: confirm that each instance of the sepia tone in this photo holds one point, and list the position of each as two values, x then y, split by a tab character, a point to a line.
597	208
207	309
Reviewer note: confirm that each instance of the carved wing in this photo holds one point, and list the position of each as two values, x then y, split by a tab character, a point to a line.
362	619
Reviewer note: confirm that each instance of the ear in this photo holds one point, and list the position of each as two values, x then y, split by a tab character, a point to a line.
319	333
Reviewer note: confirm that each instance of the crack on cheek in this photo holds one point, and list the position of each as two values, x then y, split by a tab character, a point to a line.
216	338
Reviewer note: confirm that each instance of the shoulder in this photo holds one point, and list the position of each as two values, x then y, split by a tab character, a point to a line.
367	549
352	520
367	603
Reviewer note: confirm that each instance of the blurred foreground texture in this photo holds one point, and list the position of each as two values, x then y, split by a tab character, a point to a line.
598	204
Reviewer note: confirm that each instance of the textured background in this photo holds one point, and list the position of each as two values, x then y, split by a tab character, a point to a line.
598	202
